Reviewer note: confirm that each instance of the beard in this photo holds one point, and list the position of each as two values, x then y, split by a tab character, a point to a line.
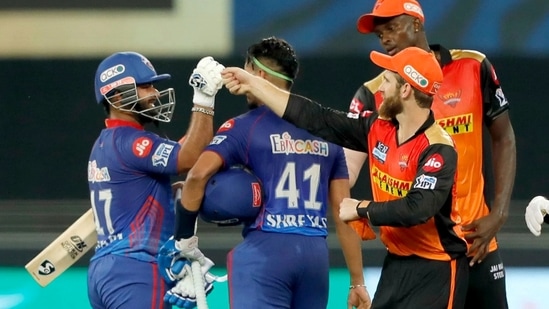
391	107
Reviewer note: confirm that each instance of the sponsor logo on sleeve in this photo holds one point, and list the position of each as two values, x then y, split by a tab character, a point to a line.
380	152
434	163
425	182
218	139
229	124
355	108
494	76
162	154
142	147
501	97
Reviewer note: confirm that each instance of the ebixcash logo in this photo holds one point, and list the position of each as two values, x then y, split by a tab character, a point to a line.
46	268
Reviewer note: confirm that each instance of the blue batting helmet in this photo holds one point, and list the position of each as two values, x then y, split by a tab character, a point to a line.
232	196
124	71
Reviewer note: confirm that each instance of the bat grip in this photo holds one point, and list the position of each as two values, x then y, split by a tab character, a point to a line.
198	280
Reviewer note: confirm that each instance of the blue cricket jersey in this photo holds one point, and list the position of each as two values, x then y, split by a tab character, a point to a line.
295	169
130	190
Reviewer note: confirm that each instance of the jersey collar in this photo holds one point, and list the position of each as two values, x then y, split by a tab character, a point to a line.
445	56
428	123
112	123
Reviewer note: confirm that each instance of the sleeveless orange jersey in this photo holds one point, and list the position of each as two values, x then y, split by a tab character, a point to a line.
469	99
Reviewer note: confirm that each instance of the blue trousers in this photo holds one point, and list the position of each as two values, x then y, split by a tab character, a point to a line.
275	270
122	282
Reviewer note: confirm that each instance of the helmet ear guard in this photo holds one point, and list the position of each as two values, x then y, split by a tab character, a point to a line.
232	196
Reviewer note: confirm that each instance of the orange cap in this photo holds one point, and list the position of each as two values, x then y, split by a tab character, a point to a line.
389	8
417	66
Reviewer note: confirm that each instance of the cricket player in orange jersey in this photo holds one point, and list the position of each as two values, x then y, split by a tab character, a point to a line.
471	106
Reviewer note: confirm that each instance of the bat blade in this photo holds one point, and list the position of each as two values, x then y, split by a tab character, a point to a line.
64	251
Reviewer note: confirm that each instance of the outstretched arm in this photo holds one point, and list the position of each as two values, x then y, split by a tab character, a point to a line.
329	124
355	161
240	82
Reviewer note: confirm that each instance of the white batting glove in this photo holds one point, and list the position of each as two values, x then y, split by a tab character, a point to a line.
183	294
535	211
188	249
206	81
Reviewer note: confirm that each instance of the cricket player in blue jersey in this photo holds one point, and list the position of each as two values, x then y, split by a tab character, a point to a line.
283	260
129	173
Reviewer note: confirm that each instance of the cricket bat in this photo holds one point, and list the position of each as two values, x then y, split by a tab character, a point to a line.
64	251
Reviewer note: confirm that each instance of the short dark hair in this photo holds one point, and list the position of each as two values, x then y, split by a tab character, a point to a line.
423	99
275	52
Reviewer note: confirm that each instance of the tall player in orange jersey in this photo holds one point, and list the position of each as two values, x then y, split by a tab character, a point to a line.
469	102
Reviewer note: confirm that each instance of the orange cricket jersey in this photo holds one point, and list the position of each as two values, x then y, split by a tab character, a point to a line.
413	181
425	227
468	100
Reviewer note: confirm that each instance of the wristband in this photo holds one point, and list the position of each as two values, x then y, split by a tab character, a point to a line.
362	211
353	286
202	110
185	222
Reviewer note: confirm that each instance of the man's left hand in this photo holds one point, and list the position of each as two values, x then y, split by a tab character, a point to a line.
359	298
347	209
481	232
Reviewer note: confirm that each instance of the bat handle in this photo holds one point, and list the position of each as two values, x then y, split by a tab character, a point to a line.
198	280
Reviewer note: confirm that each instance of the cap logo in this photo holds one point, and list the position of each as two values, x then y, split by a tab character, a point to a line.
412	73
436	87
112	72
147	63
410	7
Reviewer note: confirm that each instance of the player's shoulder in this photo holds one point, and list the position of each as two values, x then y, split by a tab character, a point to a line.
435	134
127	134
373	84
241	122
460	54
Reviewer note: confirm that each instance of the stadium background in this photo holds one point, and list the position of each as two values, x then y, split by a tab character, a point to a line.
49	53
